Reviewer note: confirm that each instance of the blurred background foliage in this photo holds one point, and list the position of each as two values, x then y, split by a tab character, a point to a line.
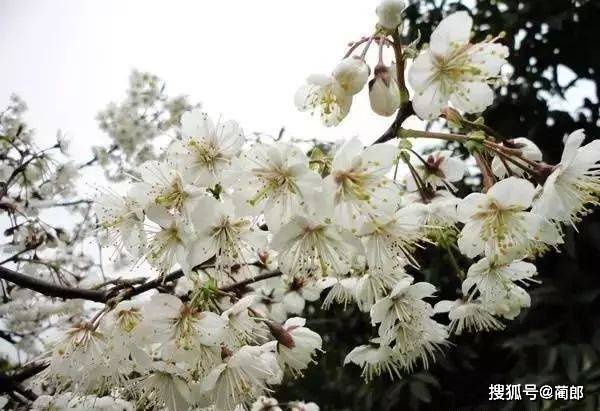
555	55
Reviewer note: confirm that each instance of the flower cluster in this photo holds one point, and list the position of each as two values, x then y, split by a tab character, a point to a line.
252	230
135	124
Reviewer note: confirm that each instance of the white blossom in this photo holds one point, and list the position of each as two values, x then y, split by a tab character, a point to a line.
390	13
221	234
374	358
325	95
469	316
166	387
298	346
180	329
351	74
453	70
497	282
240	327
439	169
359	183
573	187
163	186
166	245
206	150
497	223
275	180
240	378
122	217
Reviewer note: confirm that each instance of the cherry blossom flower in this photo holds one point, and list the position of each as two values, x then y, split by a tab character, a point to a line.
351	74
180	329
401	305
297	345
373	286
163	186
374	358
166	245
240	327
240	378
497	223
390	240
453	70
269	298
80	356
122	217
206	150
323	93
166	387
341	290
310	246
494	280
439	169
438	217
300	290
573	187
275	180
359	183
405	320
469	316
220	233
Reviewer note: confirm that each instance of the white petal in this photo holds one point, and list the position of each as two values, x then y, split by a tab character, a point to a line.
453	32
513	193
472	97
428	104
471	205
572	144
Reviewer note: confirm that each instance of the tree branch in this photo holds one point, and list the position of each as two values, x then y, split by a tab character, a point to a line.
54	290
10	382
51	289
404	112
244	283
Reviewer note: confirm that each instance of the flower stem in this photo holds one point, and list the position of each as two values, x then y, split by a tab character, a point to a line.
408	133
404	96
486	171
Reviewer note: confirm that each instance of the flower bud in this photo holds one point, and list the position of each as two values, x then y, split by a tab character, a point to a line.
390	13
384	94
453	116
282	336
352	74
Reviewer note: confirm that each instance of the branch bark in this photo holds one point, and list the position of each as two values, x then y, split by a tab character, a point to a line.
51	289
244	283
100	296
404	112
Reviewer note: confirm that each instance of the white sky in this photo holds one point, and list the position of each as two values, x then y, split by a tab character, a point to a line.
242	59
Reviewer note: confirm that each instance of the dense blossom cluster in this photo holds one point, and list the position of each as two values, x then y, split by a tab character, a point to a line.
253	230
135	125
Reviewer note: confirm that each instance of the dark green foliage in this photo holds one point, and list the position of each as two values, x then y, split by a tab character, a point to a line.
556	341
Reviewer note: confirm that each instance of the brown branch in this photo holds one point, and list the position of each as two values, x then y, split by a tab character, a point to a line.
244	283
10	382
54	290
50	289
404	112
121	291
